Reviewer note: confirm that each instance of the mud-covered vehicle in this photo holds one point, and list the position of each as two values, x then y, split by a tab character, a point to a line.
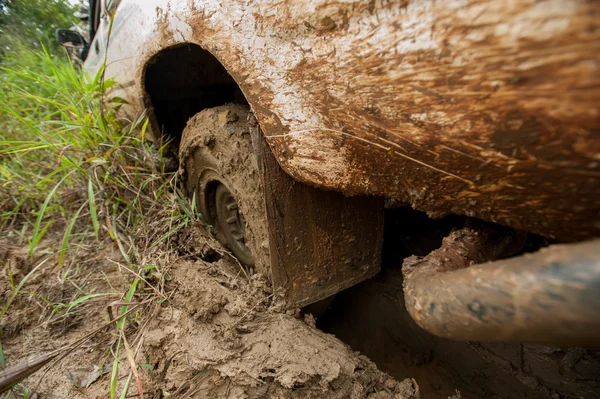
297	123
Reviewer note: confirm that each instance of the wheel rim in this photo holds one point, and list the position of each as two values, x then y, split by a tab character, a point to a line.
232	224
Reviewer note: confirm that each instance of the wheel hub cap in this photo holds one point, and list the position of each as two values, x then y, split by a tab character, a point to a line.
232	224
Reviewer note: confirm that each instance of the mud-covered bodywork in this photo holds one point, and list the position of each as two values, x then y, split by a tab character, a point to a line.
480	108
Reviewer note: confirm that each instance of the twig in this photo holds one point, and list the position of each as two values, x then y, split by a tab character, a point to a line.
12	375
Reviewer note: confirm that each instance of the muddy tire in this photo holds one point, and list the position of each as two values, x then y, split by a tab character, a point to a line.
218	165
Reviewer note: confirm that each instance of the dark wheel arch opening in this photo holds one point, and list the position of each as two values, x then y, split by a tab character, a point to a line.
181	81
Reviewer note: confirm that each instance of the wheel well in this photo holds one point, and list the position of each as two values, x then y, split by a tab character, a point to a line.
181	81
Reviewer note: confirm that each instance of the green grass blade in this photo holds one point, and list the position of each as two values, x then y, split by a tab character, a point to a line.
144	127
120	324
18	289
65	241
2	363
37	235
126	387
170	232
114	376
128	298
84	298
93	211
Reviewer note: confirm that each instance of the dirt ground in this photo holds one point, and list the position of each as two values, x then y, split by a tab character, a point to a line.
209	332
202	328
375	309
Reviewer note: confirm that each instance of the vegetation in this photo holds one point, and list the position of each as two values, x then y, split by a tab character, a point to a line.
70	168
30	25
64	151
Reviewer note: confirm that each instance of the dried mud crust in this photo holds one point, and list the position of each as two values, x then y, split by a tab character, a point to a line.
219	335
222	338
217	142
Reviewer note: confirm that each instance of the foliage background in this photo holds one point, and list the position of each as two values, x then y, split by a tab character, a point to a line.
27	25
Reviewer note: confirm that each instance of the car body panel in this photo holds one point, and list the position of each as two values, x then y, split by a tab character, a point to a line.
480	108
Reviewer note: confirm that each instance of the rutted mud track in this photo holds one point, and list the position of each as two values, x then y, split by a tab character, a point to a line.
218	334
215	335
247	348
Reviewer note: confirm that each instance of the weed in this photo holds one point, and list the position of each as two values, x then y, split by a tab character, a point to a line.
69	165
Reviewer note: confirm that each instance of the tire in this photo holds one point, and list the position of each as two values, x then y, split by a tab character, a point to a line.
219	167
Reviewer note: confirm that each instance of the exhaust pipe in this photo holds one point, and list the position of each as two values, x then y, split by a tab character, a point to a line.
548	297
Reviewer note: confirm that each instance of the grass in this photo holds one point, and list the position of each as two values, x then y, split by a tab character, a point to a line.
70	166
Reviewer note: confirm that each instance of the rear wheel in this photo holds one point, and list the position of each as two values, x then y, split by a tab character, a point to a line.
220	171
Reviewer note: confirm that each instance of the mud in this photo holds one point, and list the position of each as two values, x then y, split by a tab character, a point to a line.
453	293
325	241
375	309
31	327
250	349
454	107
216	143
216	335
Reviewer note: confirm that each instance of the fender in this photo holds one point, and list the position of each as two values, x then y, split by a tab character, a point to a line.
480	108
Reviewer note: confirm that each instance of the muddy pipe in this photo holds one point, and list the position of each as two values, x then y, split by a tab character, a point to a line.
551	296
